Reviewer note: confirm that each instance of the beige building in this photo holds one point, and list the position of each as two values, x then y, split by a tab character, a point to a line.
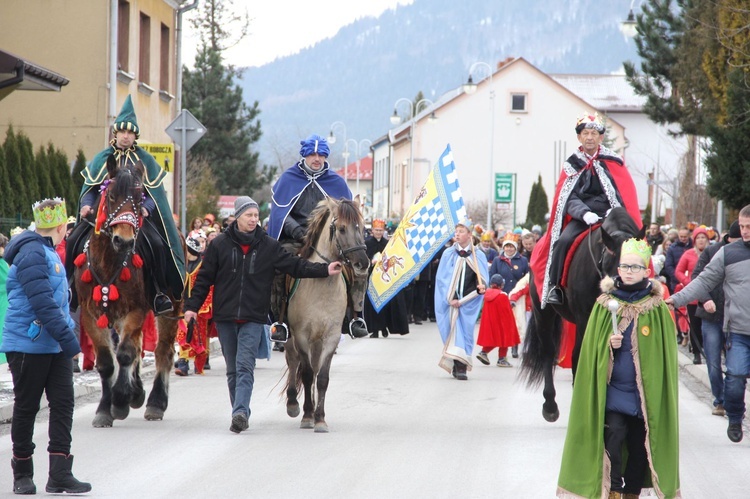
76	39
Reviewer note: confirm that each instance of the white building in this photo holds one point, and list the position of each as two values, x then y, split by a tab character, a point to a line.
534	118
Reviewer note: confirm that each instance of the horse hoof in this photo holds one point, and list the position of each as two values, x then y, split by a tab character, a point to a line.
137	403
321	427
307	424
292	410
120	412
153	414
550	417
102	421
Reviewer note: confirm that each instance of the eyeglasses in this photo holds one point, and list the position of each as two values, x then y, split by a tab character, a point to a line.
631	268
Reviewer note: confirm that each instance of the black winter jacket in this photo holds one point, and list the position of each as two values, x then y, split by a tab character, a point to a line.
242	282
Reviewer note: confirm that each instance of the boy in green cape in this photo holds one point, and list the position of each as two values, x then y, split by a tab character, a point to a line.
623	431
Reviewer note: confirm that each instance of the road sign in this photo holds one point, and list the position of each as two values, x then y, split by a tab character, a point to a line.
162	153
504	187
186	130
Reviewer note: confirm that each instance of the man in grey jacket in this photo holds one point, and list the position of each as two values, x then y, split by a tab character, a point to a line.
730	266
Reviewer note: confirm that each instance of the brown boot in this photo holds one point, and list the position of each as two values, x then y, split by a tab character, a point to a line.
615	495
631	496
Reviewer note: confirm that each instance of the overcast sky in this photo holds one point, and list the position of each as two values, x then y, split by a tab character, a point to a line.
284	27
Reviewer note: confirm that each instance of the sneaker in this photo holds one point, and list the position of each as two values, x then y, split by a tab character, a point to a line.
734	432
239	423
162	304
482	356
459	371
503	362
719	411
358	328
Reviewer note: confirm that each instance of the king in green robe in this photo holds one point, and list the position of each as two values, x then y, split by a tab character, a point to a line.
585	468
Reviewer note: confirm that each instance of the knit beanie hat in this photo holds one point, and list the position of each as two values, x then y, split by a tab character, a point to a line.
734	230
242	203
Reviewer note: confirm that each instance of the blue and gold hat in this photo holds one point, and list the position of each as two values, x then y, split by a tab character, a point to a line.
126	120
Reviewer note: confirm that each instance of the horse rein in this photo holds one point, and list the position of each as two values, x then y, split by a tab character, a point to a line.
597	263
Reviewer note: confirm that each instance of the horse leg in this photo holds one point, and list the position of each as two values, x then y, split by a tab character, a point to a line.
550	412
125	389
164	353
307	375
106	367
292	362
322	384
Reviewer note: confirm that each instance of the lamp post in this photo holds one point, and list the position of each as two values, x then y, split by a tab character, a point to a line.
359	156
629	26
396	119
470	87
332	140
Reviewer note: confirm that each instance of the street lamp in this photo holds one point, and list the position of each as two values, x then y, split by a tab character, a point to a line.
470	87
396	119
629	26
332	140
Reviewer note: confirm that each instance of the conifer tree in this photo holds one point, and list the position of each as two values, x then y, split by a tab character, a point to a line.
5	192
78	167
29	172
55	181
538	204
17	194
211	94
42	167
728	161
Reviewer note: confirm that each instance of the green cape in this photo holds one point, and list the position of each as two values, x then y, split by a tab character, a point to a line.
584	471
95	173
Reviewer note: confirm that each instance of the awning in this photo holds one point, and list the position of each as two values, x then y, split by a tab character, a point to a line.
17	73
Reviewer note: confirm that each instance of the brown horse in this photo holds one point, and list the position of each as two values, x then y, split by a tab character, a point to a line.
109	279
317	306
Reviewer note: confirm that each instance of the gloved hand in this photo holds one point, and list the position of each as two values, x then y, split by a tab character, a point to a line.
298	233
590	218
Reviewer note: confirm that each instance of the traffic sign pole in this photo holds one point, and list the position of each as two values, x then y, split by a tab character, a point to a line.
183	175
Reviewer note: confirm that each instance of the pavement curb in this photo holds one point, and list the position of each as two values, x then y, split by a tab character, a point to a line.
81	389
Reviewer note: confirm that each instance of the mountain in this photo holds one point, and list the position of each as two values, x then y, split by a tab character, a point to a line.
357	75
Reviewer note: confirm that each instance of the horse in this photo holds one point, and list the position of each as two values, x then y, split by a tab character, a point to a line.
317	307
110	282
597	255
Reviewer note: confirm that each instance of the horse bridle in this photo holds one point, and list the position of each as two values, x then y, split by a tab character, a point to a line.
132	218
342	252
597	263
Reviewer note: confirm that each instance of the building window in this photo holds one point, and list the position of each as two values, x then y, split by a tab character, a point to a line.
144	50
518	103
164	61
123	35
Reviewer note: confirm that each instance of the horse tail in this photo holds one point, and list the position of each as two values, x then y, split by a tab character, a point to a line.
540	349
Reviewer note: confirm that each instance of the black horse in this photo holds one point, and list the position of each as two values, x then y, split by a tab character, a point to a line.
596	256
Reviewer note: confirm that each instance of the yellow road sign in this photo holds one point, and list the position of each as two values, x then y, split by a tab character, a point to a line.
162	153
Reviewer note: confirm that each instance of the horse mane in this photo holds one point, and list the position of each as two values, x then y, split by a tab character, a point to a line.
127	179
347	213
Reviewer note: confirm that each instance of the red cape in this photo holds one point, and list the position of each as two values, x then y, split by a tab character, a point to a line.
624	185
498	326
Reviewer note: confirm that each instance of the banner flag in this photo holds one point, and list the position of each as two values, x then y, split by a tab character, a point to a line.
427	225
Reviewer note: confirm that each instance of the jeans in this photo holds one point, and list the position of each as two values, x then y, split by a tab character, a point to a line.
713	344
738	368
34	375
240	344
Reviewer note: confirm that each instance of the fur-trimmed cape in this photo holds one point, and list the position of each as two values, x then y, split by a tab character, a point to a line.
585	468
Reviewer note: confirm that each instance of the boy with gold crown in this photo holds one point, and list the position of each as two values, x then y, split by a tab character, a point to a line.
623	430
39	342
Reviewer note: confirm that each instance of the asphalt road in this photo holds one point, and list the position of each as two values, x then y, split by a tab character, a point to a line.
400	427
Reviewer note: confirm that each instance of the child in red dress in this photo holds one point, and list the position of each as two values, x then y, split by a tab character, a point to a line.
497	329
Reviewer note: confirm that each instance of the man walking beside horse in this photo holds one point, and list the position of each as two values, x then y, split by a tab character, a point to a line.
241	264
593	180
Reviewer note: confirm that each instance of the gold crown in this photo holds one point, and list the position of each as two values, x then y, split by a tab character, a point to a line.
50	216
637	247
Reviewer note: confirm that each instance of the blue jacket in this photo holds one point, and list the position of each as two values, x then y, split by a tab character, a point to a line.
512	269
674	253
37	291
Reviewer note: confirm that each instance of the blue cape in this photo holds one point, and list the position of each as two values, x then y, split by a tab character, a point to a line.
462	338
293	181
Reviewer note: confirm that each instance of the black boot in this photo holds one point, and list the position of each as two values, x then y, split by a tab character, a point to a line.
459	370
23	476
61	478
162	304
358	328
555	296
